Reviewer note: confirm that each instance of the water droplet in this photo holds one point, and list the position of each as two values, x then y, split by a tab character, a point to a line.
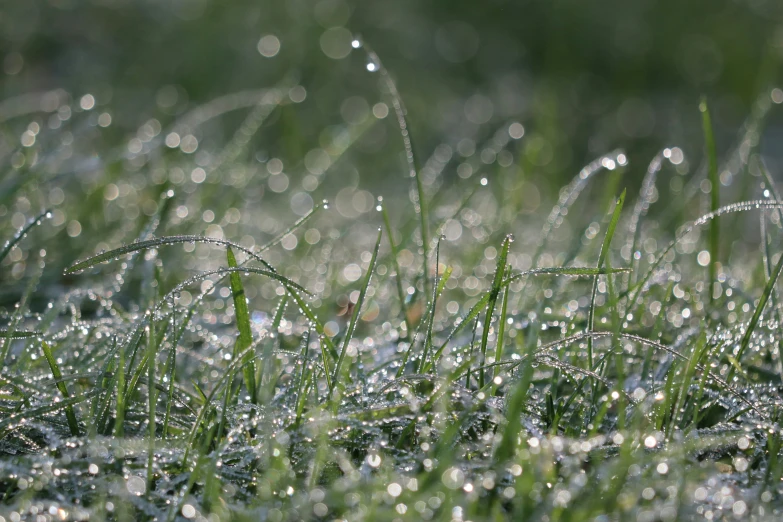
136	485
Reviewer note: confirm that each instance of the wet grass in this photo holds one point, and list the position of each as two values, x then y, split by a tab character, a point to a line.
358	368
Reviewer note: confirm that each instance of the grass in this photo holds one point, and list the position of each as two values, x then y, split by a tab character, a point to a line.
372	372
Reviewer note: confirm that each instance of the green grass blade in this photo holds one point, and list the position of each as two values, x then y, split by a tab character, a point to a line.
398	277
477	308
290	285
19	334
155	243
618	207
171	371
712	169
355	316
19	312
439	285
73	423
300	389
497	285
319	327
501	328
513	424
266	359
298	223
243	325
227	375
754	320
31	413
565	271
568	196
152	398
739	207
119	416
22	233
413	171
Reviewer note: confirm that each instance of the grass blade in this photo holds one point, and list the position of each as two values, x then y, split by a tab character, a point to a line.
742	206
601	260
300	389
712	169
497	285
19	312
155	243
573	271
22	233
19	334
243	325
152	397
501	329
439	285
477	308
410	157
319	327
73	423
754	320
228	374
298	223
570	193
32	413
355	315
396	264
119	417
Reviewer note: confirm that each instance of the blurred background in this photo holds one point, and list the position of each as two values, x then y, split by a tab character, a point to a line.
107	104
584	77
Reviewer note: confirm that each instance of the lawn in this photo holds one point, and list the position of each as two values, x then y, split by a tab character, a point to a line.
390	261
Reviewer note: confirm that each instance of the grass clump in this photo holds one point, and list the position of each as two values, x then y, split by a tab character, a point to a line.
355	381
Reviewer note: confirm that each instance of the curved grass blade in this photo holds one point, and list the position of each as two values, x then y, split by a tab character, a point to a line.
724	383
22	232
73	423
243	325
410	157
31	413
742	206
356	311
754	320
570	193
155	243
290	285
